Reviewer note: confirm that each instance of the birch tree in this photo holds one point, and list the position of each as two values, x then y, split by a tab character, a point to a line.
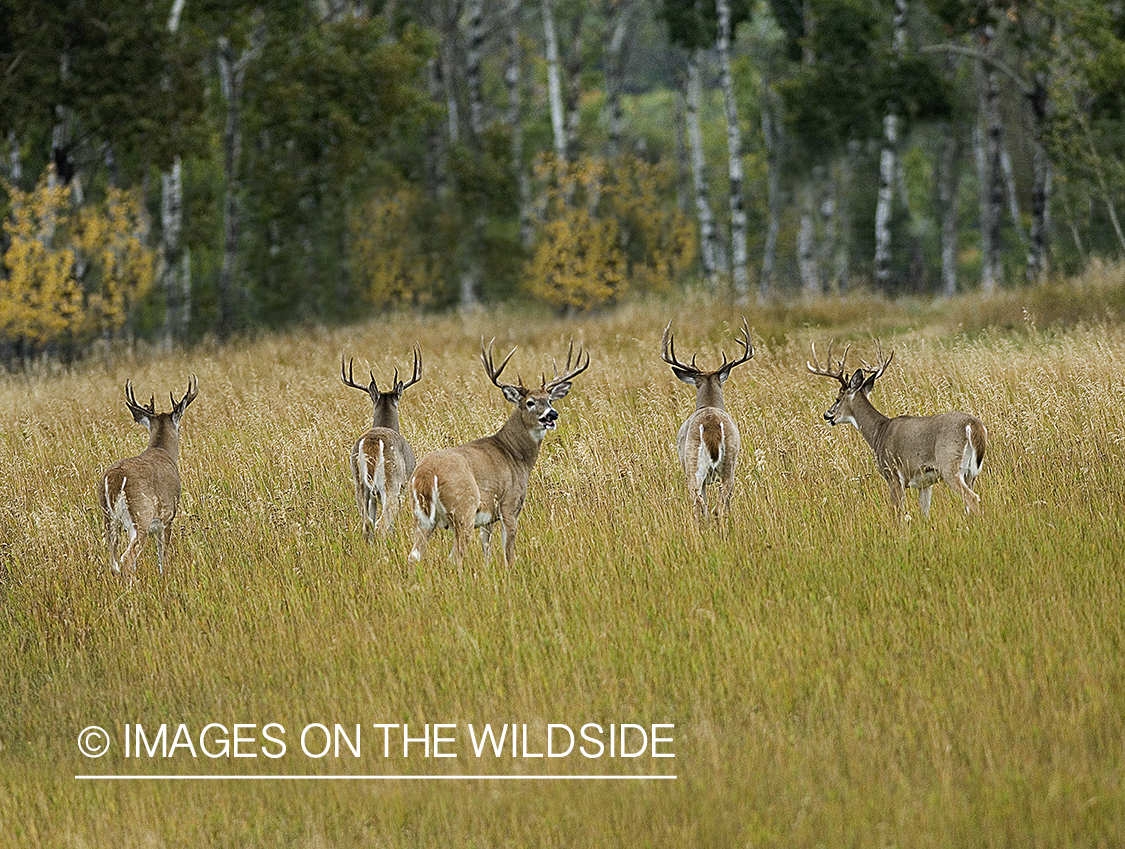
232	76
175	261
888	161
734	152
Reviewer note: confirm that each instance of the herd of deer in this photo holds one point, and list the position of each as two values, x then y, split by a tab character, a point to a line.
485	481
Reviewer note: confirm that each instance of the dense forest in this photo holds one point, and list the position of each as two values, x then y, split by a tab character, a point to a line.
182	168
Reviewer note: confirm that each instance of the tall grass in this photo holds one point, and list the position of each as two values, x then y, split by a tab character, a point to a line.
835	677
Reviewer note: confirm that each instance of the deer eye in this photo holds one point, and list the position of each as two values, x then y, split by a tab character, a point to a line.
530	404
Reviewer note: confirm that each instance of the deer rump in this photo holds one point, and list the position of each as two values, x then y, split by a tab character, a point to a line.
447	491
706	447
382	455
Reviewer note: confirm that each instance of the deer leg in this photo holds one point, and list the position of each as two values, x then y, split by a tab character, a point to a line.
895	484
137	537
725	493
111	541
390	511
486	541
924	500
421	537
163	544
375	520
508	526
970	498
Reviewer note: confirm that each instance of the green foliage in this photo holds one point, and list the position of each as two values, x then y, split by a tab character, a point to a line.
331	108
111	70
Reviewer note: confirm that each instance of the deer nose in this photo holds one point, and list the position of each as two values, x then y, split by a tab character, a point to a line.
829	418
551	414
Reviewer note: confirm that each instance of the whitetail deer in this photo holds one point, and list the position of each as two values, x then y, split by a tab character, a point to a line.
382	460
485	481
909	451
142	494
709	440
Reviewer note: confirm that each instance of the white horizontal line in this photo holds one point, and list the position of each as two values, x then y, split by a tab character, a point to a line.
375	777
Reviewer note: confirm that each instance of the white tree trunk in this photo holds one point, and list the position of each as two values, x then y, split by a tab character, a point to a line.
708	246
948	186
734	149
512	77
771	134
554	80
990	142
616	31
232	73
473	68
888	163
806	241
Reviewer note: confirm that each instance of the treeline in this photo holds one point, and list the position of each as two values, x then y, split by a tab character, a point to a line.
189	167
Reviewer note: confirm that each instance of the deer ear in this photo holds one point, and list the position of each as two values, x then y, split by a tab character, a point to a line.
141	417
869	384
686	376
559	390
512	393
856	381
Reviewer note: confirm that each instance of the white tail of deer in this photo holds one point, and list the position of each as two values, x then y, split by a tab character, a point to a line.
142	494
708	442
485	481
382	460
909	451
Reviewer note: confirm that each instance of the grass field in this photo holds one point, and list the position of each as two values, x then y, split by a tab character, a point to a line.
834	677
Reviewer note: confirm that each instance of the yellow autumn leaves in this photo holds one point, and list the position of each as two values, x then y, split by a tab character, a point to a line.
71	272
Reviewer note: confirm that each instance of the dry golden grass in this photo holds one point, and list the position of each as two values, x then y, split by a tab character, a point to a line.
834	677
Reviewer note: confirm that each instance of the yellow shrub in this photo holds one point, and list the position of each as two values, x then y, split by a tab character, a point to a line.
71	273
605	228
390	262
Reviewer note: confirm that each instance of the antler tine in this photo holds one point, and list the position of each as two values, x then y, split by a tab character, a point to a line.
416	373
489	367
668	351
816	368
747	349
746	343
131	400
881	362
349	376
189	396
569	373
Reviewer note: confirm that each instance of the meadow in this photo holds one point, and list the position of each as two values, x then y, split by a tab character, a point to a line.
828	675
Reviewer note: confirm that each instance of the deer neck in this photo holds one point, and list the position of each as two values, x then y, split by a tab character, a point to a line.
515	438
868	421
386	414
709	393
164	436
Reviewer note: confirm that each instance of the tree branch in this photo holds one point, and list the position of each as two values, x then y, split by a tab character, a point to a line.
1025	87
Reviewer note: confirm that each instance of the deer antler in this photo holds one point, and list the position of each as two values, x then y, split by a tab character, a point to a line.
131	401
415	376
348	376
668	352
178	407
492	370
816	368
568	373
747	350
881	366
